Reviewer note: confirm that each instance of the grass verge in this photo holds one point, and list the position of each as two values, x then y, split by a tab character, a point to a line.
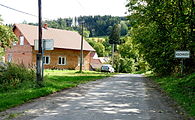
55	80
182	90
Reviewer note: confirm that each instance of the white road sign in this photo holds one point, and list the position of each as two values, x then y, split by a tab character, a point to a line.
182	54
48	44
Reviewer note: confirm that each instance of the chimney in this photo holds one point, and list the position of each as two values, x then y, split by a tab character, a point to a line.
45	26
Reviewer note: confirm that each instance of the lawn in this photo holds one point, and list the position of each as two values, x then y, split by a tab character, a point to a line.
55	80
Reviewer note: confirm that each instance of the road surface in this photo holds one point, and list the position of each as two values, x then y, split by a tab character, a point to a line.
122	97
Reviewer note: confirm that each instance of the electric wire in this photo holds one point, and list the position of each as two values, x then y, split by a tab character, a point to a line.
79	3
26	13
18	10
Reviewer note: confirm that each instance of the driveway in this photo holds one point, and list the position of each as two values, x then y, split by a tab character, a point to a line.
122	97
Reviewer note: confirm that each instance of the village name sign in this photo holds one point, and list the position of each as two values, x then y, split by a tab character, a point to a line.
182	54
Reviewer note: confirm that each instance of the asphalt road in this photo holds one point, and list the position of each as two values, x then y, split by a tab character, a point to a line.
122	97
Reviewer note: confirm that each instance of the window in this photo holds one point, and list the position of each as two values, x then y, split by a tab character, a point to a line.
79	61
62	61
46	60
21	40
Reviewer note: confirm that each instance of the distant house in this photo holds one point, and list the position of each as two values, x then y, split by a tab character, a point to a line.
105	60
66	53
95	63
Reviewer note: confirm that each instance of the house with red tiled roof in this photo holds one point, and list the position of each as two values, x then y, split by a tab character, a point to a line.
66	53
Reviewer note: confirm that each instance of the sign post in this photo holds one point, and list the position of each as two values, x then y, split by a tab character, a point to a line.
182	55
47	44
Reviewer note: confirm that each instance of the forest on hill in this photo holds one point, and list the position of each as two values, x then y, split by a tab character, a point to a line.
94	26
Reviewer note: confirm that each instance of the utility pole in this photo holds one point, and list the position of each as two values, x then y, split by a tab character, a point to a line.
39	61
81	55
112	54
182	66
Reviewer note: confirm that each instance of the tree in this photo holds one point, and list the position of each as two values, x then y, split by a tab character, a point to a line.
124	28
6	36
114	37
107	46
97	25
159	27
98	46
109	30
100	49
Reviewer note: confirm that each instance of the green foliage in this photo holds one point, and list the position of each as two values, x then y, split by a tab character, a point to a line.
100	25
123	65
86	33
92	42
60	23
128	65
114	37
159	28
14	76
124	28
1	20
180	89
2	53
6	36
100	49
127	59
55	80
127	49
94	25
98	46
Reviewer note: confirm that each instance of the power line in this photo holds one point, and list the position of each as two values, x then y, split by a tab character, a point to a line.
21	11
18	10
80	5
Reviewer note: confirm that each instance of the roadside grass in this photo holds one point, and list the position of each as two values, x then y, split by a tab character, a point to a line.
55	80
182	90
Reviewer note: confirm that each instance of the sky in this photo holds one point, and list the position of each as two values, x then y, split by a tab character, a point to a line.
53	9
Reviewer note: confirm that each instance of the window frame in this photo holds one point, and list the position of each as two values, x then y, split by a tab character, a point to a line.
44	59
21	40
60	57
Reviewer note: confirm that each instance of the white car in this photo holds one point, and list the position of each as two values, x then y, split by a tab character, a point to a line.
107	68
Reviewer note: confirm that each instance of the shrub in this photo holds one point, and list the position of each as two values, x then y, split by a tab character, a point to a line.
16	76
